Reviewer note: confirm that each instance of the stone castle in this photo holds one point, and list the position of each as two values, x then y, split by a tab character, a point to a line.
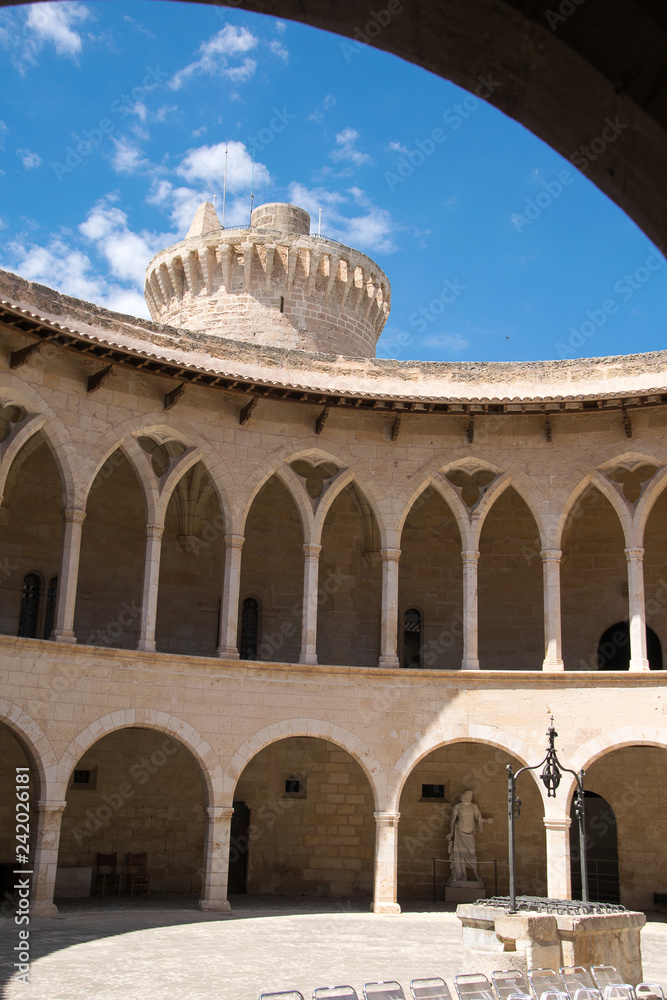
270	605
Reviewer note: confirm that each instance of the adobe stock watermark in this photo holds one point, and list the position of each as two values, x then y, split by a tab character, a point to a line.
377	22
453	117
625	288
566	8
93	138
533	208
278	123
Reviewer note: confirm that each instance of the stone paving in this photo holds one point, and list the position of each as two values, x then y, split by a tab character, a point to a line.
166	948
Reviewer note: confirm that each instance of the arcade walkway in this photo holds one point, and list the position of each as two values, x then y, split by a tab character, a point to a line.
177	953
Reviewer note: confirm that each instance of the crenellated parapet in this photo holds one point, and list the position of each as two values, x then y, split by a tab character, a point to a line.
272	284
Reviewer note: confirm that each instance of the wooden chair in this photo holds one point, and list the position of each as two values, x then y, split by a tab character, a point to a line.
137	873
107	877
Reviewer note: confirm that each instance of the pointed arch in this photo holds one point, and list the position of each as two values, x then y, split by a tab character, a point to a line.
647	502
605	487
437	481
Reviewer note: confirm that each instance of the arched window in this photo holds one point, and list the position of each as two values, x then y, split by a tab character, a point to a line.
412	638
614	648
249	629
29	606
601	851
50	614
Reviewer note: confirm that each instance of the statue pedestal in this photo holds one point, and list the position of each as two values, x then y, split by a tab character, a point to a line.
464	891
494	939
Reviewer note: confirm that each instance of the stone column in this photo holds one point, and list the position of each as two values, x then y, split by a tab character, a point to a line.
636	609
386	862
146	639
229	609
389	622
216	859
311	569
47	842
553	652
63	627
470	659
558	857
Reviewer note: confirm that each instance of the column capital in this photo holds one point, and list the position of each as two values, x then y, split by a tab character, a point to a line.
234	541
154	530
73	515
551	555
562	823
219	812
470	555
390	555
387	818
634	553
311	550
50	806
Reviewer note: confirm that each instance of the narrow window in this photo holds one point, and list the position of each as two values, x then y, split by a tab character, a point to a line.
249	628
29	606
51	597
282	304
412	638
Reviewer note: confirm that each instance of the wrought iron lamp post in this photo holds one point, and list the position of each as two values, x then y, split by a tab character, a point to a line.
551	777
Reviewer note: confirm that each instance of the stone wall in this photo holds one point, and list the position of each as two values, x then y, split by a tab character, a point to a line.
425	823
318	842
633	781
148	797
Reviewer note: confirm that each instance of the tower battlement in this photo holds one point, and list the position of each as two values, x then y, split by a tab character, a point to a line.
272	283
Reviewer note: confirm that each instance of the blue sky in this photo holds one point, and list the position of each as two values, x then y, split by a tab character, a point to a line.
113	123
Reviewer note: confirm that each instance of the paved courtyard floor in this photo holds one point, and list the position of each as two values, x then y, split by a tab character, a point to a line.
165	949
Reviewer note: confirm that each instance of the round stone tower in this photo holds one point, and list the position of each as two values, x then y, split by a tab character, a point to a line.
271	284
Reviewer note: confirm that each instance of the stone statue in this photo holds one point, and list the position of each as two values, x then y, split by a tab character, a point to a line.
461	838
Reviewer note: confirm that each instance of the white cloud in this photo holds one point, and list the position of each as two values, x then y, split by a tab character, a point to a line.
128	158
54	22
4	129
61	266
180	202
346	150
126	252
24	33
371	230
279	50
29	160
449	341
207	164
398	147
280	27
215	55
327	104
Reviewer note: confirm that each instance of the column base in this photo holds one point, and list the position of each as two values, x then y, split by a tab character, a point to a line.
382	907
43	908
63	635
389	661
639	665
227	653
215	905
309	658
469	664
146	646
552	666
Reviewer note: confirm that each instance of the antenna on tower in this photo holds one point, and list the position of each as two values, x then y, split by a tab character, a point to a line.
252	182
224	186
